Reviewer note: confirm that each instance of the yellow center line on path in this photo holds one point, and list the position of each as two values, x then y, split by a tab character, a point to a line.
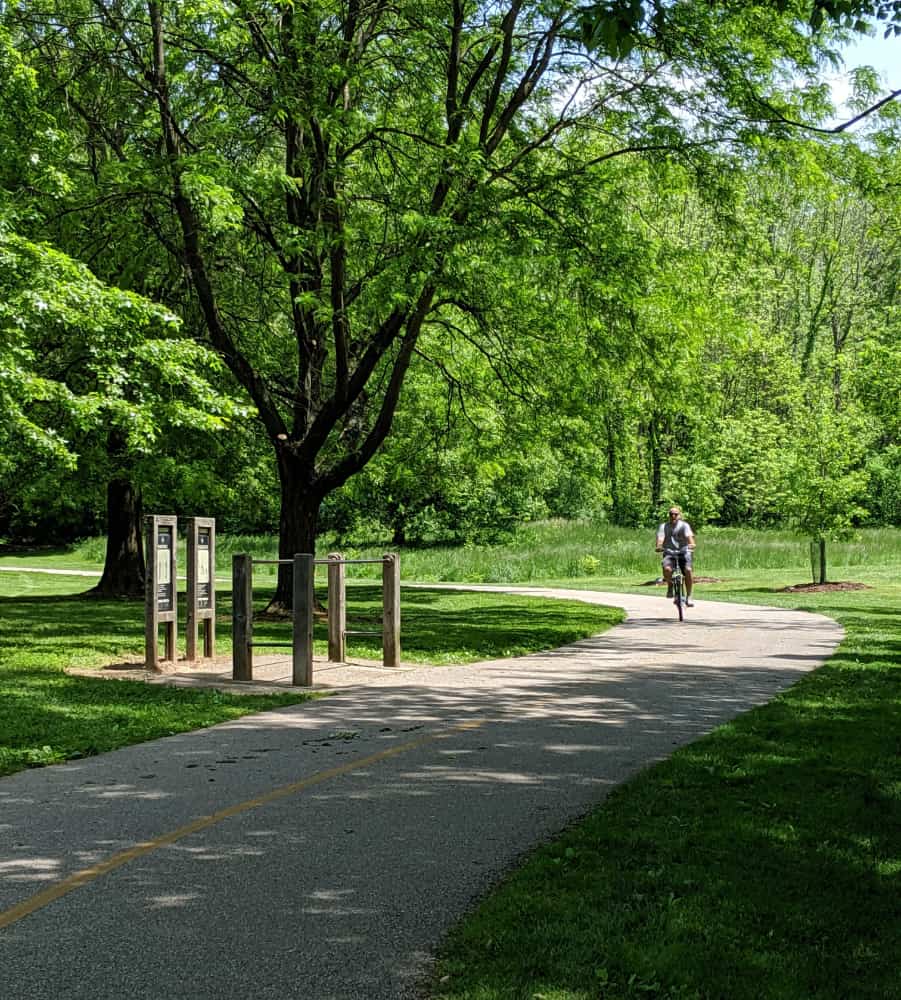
87	875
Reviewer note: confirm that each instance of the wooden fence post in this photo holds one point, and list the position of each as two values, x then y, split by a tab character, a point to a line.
337	609
304	605
242	617
391	610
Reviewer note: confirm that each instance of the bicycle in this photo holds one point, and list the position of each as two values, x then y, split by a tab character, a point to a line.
678	598
677	583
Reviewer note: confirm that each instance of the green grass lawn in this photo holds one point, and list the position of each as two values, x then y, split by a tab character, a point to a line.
444	626
47	716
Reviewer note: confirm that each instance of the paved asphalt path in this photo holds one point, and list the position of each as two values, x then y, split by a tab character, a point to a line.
321	851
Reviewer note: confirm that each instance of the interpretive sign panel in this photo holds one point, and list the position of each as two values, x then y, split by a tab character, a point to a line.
201	596
204	577
164	581
161	592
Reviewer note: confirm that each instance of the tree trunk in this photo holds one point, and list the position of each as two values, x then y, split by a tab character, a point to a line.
399	534
123	568
298	521
616	504
656	468
822	560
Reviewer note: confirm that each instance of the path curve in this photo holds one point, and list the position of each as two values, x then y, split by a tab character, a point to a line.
321	851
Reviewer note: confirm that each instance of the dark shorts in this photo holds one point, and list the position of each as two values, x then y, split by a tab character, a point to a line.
684	558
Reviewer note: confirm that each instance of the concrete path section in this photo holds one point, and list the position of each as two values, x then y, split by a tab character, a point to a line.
321	851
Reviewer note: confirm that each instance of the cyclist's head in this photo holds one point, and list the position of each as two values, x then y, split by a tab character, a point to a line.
675	512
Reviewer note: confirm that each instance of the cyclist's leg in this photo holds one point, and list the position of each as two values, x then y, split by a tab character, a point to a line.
688	574
668	574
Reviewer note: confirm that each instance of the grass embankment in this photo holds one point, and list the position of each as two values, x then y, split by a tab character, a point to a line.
47	715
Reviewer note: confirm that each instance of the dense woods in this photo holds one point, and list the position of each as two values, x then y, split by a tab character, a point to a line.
427	270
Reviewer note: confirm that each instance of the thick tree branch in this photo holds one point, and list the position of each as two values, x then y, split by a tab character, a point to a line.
219	337
356	460
775	116
538	65
507	28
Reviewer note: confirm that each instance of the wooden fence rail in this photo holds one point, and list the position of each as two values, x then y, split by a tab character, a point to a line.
304	606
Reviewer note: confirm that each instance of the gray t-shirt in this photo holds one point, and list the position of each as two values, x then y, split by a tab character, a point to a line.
675	536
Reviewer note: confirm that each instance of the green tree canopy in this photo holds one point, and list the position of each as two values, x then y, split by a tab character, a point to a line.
331	195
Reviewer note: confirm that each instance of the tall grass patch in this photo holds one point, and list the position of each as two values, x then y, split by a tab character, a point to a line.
556	550
584	551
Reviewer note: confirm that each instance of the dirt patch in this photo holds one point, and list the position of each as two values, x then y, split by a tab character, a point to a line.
824	588
119	672
133	668
129	663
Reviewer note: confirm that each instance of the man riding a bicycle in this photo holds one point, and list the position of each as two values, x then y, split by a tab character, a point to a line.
675	540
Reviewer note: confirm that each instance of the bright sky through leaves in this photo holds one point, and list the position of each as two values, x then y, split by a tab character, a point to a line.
883	54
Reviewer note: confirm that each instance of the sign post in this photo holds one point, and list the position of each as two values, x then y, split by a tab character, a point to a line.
161	594
242	617
201	596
